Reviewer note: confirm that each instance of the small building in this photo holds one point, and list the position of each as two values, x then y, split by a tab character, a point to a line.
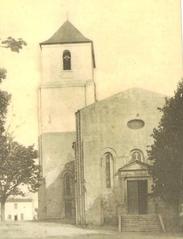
19	209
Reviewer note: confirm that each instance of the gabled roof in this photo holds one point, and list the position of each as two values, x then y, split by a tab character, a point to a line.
132	94
67	33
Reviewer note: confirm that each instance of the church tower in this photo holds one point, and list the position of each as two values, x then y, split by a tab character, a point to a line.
67	84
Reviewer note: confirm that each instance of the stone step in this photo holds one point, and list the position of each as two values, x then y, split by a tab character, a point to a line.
144	216
137	225
141	229
140	219
140	223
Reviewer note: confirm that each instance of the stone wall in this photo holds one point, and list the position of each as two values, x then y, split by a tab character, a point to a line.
104	129
56	152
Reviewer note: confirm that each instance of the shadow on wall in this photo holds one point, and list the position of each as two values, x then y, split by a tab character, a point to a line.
104	210
60	195
110	207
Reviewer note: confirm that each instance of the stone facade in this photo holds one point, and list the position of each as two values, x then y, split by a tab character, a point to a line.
51	194
121	127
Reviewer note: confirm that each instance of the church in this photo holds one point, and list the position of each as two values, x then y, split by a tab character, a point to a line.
93	153
112	137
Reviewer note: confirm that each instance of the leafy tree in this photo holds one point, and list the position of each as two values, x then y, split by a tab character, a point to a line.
18	168
167	150
13	44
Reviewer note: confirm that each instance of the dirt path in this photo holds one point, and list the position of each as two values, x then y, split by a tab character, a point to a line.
30	230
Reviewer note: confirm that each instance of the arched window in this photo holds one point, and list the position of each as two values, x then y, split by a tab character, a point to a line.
66	60
108	169
137	154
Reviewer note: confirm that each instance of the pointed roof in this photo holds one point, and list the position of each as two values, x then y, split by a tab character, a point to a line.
67	33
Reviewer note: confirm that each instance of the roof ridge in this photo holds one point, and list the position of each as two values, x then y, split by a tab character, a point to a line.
123	92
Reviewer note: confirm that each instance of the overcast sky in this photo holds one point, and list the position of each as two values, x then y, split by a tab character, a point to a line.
102	21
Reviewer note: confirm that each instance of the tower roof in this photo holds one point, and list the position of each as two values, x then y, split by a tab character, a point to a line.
67	33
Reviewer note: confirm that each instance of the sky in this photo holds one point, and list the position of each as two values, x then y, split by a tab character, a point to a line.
115	29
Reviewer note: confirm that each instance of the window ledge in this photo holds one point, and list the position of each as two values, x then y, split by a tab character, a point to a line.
66	73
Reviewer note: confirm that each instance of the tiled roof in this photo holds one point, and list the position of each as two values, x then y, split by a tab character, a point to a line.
67	33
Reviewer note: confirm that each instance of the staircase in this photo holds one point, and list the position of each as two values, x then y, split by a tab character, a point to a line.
139	223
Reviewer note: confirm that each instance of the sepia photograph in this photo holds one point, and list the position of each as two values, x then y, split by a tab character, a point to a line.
91	119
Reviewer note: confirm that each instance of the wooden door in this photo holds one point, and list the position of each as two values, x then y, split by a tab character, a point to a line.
142	196
137	196
132	194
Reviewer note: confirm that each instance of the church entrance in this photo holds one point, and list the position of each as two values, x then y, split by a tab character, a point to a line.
137	196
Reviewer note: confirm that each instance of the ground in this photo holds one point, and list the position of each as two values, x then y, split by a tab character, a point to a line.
42	230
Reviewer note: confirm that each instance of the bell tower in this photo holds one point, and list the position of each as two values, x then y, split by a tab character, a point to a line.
67	84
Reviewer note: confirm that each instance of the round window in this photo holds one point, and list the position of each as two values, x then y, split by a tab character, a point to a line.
135	124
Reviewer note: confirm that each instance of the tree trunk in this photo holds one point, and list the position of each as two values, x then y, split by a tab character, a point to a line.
2	211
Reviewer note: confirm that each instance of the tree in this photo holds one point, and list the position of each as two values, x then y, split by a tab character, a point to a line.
18	169
13	44
17	162
167	150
